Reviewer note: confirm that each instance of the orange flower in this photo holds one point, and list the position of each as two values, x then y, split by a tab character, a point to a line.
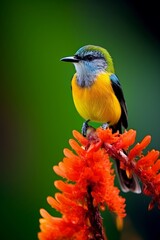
147	168
88	184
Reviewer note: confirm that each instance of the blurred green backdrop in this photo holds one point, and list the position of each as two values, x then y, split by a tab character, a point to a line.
38	114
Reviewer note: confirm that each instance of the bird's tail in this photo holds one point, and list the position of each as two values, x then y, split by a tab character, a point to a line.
127	183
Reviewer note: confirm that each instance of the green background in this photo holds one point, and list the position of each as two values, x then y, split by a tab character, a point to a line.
38	114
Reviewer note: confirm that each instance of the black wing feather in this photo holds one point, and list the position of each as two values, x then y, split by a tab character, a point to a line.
127	184
120	96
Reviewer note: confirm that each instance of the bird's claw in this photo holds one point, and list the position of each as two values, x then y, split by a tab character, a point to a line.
105	126
85	126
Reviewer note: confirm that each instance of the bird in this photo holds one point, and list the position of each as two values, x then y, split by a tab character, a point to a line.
98	97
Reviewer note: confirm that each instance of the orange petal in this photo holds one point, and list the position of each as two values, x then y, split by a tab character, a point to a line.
68	153
119	223
107	135
54	203
45	214
126	139
64	187
156	166
59	171
64	200
75	146
148	160
83	140
129	173
139	147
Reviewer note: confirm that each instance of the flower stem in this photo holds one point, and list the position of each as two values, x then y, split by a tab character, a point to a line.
94	218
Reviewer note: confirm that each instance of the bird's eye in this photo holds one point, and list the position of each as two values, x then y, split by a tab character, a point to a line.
89	57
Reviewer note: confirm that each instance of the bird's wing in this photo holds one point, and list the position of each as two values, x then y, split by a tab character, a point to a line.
119	94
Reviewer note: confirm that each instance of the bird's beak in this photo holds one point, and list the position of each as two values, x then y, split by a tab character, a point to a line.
70	59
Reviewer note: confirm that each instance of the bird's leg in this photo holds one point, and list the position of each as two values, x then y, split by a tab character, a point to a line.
85	127
105	126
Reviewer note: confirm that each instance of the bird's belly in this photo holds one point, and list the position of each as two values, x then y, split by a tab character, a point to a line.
97	103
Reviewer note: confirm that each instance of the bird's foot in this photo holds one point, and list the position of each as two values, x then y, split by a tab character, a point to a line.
85	126
105	126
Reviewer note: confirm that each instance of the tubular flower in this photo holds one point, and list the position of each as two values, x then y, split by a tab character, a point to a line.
88	184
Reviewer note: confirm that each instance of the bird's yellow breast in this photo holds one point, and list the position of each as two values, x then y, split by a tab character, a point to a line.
97	102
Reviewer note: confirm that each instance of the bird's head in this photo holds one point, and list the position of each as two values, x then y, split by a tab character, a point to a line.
89	61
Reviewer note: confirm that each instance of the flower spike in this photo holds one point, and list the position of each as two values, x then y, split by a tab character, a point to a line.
88	186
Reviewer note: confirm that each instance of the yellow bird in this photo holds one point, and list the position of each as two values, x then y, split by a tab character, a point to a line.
98	97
